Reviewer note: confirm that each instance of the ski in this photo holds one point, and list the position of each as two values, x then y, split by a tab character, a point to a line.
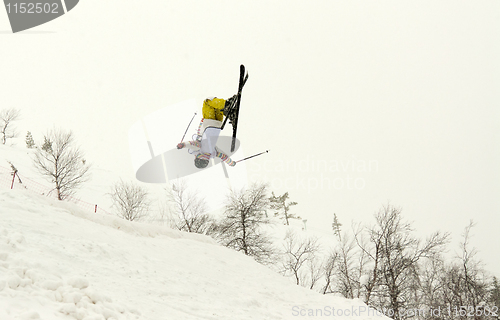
234	108
243	80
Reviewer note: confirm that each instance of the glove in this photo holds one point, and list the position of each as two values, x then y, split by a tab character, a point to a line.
181	145
229	102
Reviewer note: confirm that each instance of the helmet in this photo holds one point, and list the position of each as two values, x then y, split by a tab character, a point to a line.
201	160
200	163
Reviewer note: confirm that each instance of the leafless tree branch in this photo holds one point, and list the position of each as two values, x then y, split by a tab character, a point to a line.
7	116
62	162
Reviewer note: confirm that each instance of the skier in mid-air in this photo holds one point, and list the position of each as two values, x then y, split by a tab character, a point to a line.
214	110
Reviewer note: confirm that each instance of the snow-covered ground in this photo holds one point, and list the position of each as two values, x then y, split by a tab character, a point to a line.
60	262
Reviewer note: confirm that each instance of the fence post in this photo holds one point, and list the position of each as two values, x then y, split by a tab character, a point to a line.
95	211
13	179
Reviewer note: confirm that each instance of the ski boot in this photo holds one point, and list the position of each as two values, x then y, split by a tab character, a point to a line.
228	109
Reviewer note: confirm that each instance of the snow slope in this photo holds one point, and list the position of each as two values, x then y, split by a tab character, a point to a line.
59	262
95	190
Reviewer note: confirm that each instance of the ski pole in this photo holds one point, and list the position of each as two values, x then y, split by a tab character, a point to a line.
188	127
258	154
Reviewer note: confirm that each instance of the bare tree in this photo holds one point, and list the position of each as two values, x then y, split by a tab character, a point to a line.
62	162
131	200
432	287
190	210
346	255
494	297
298	253
315	271
443	287
329	272
283	209
7	116
474	275
466	283
350	262
461	287
241	227
400	253
372	249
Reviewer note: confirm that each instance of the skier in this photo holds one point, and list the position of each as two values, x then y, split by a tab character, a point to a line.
214	110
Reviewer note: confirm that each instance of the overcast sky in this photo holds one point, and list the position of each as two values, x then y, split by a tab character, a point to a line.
362	103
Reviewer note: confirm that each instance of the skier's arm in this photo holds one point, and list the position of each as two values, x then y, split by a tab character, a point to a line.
189	145
224	157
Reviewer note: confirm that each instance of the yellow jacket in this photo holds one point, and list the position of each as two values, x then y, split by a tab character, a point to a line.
212	109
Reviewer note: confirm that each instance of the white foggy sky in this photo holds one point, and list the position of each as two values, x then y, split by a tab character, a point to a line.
410	86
